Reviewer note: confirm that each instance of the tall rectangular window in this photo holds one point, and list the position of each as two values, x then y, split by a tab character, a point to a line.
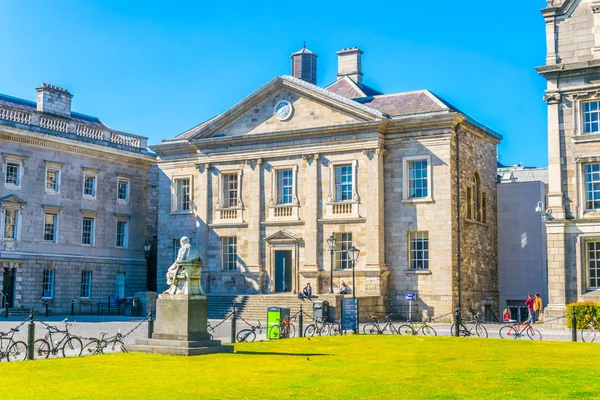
120	285
284	186
230	190
593	261
50	228
591	181
591	116
343	182
52	180
13	177
122	233
182	194
343	242
417	179
86	284
11	223
89	185
87	231
229	253
48	284
123	190
419	250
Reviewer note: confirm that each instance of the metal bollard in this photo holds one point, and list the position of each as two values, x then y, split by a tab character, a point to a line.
573	326
72	308
300	323
30	336
457	322
150	325
233	325
46	308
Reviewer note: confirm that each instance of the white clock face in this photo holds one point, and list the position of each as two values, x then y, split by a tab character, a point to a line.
283	110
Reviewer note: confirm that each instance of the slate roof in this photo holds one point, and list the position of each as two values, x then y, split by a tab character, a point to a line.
399	104
350	89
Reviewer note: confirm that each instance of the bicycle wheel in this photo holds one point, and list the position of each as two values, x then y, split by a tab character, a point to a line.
41	349
91	348
274	332
310	330
406	330
325	330
462	330
534	334
245	335
508	332
336	329
481	331
370	329
72	347
17	352
292	331
588	335
114	346
427	330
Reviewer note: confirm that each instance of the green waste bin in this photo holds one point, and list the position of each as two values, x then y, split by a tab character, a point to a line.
274	316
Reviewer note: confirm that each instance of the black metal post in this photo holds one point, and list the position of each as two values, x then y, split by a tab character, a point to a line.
72	308
300	323
573	326
353	281
30	336
46	307
150	325
5	307
457	322
357	314
331	272
233	325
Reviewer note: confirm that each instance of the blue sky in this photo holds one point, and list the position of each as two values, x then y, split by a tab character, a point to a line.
158	68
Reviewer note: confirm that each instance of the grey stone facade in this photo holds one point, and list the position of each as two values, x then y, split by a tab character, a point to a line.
377	137
46	156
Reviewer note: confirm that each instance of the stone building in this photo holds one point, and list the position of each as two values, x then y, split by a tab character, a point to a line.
522	247
73	202
572	72
403	177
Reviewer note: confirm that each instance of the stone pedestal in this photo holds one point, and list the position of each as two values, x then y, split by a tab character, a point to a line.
180	328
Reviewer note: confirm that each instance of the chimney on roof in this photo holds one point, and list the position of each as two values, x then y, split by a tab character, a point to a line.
304	65
54	100
350	64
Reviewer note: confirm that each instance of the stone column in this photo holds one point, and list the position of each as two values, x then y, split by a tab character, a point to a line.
253	185
202	210
374	210
311	212
557	277
555	196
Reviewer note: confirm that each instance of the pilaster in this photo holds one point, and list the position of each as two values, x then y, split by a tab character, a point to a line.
375	257
555	196
255	200
311	229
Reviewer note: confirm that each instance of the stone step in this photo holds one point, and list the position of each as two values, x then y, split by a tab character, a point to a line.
180	351
177	343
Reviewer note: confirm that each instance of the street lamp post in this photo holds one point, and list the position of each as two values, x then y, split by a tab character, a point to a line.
353	253
331	244
147	248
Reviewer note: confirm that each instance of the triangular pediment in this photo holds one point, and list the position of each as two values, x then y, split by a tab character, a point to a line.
305	106
283	235
12	199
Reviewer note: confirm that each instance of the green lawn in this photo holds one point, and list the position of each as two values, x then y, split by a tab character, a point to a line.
350	367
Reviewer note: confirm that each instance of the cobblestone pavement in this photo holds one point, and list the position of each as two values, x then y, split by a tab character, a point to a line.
92	326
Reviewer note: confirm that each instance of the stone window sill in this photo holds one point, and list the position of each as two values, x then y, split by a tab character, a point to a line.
586	137
187	212
418	272
425	200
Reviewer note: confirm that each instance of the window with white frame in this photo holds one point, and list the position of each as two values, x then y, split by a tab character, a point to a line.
87	230
591	116
50	222
591	182
120	285
230	190
89	184
285	186
418	179
123	190
343	241
122	233
86	284
229	253
48	284
13	174
52	180
593	263
182	194
418	250
11	223
343	182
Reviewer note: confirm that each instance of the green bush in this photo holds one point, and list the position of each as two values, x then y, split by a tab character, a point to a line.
584	311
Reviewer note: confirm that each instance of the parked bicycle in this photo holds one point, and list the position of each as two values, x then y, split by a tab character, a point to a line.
249	334
105	345
10	348
379	326
589	334
520	330
471	327
318	327
414	329
335	328
70	345
284	330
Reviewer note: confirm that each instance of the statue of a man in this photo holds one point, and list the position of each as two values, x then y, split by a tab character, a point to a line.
185	253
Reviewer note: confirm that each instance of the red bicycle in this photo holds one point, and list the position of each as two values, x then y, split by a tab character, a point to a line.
519	330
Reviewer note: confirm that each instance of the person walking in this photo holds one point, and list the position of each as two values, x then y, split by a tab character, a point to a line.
538	307
530	303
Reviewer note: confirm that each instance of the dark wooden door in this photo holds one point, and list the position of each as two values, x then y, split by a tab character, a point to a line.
8	288
283	271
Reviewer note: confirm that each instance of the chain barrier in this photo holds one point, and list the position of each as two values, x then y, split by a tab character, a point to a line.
441	316
134	328
212	328
308	316
554	319
18	327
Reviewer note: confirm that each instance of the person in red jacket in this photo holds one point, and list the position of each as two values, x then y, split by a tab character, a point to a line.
529	303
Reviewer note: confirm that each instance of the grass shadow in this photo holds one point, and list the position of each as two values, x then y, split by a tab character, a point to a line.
273	353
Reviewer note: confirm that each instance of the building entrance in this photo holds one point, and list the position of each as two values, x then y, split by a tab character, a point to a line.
8	288
283	271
